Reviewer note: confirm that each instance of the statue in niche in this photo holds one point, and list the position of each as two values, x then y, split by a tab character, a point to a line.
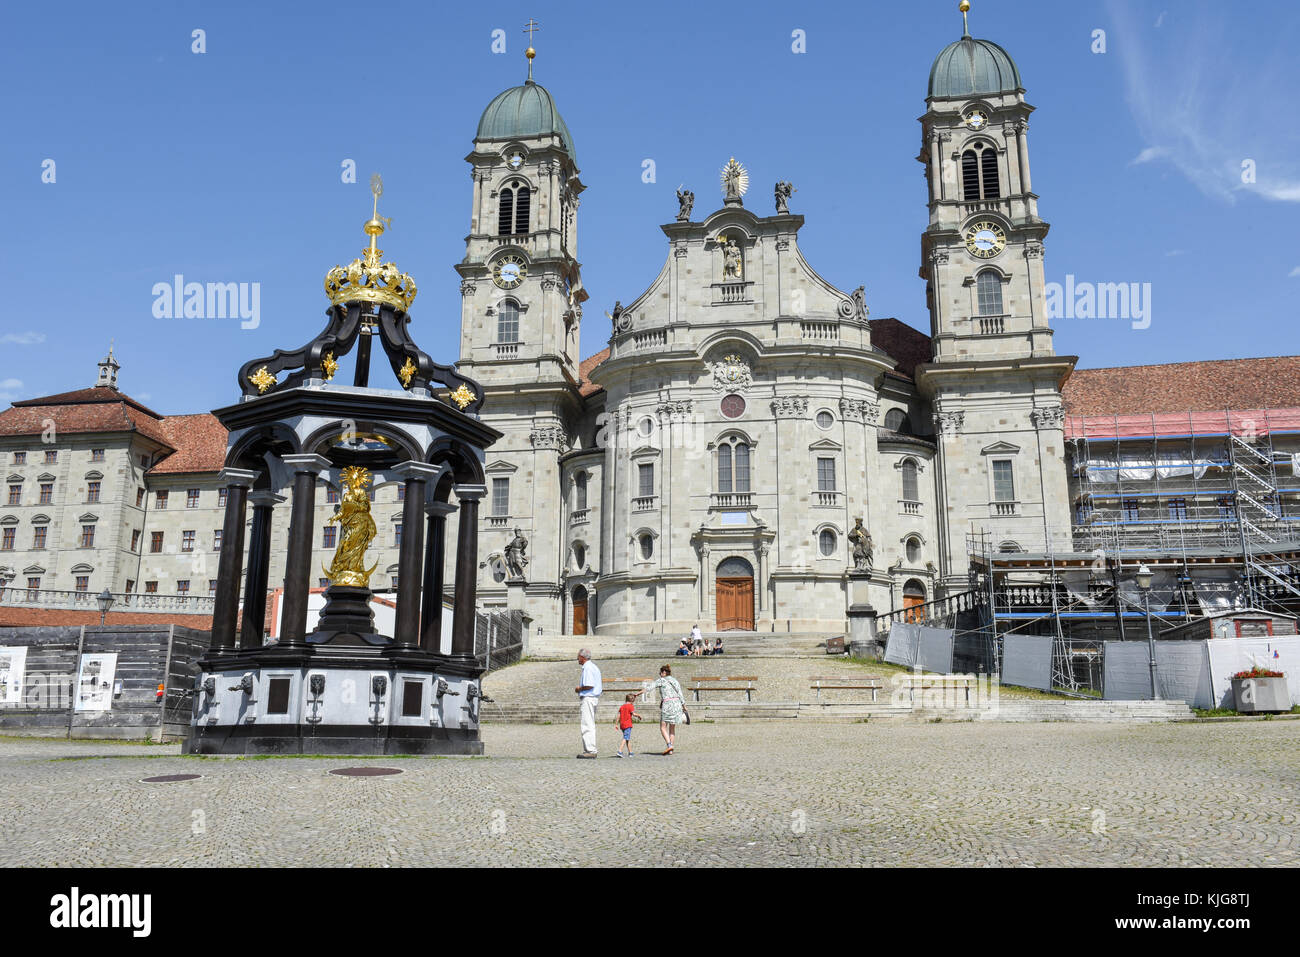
860	539
732	264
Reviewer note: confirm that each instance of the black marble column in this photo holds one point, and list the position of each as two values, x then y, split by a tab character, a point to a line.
410	558
466	598
259	566
225	605
435	561
297	568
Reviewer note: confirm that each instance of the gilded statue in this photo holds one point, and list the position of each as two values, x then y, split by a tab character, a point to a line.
357	531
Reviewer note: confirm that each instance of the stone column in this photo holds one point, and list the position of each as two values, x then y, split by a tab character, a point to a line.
761	584
411	555
297	566
1022	153
462	626
435	557
225	605
259	566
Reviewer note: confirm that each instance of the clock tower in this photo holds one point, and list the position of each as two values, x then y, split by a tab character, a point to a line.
994	379
521	308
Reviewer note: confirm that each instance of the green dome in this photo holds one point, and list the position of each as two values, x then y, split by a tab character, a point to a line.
971	67
524	111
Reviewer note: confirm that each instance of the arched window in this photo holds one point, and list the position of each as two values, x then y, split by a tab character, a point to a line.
988	287
896	420
522	196
579	557
508	321
580	491
910	491
827	541
913	550
506	213
647	546
989	169
979	173
733	465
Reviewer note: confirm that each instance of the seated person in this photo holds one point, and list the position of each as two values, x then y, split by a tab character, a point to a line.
717	647
683	648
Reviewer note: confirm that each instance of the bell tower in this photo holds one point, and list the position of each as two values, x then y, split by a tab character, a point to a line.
994	380
521	282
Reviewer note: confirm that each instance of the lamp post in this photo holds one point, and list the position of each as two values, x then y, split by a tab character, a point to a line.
105	601
1144	586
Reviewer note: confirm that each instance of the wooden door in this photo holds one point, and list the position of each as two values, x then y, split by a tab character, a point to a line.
910	602
580	614
735	604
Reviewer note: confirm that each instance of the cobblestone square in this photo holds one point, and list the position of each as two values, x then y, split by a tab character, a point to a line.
785	793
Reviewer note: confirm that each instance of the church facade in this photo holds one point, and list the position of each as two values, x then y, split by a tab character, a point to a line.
751	437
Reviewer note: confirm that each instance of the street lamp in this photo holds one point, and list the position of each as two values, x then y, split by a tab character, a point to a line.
105	601
1144	577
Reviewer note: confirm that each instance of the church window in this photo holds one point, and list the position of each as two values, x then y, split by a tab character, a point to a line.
155	542
970	176
724	468
646	480
979	173
500	497
579	557
913	550
896	420
506	213
1004	483
988	286
826	542
989	173
824	419
580	491
646	426
733	406
826	475
508	321
910	491
328	534
647	546
521	210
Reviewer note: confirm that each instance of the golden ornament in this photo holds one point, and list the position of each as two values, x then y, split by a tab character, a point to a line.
462	396
262	379
406	371
358	531
329	365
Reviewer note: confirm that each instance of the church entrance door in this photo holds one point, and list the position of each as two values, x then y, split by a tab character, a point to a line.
734	590
913	597
580	611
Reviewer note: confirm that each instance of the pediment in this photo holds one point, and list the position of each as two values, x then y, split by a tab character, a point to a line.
15	477
1000	448
825	445
88	517
34	570
501	467
45	477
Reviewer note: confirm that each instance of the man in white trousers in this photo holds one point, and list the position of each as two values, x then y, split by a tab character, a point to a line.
588	690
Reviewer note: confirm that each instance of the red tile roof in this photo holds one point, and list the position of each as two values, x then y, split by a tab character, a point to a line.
200	443
1272	383
588	365
909	347
98	409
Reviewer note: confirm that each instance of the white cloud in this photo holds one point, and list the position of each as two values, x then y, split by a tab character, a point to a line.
10	389
1160	20
1202	94
1176	252
22	338
1294	273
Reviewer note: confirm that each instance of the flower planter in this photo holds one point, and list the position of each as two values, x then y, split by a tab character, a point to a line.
1254	695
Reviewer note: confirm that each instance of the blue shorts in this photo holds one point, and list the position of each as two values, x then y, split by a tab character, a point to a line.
627	734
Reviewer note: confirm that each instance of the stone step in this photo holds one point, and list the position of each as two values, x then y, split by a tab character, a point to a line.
745	645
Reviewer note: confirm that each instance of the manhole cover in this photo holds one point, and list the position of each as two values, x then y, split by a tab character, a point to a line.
168	778
365	772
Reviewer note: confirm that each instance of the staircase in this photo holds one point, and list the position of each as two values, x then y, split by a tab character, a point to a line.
1270	579
662	647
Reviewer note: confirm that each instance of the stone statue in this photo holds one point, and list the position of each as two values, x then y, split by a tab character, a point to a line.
514	555
357	531
783	191
614	317
732	267
685	203
860	539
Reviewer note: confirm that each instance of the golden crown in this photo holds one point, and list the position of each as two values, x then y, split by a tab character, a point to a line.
369	279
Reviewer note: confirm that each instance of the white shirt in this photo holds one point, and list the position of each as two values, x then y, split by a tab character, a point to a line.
590	678
695	633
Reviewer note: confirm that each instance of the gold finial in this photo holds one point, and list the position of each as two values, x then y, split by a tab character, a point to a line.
531	27
964	6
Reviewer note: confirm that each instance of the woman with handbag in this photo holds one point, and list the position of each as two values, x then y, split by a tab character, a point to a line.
672	705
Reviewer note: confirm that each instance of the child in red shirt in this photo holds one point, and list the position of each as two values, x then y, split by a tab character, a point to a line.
626	715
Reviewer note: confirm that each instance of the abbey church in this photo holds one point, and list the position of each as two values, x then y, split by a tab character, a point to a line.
751	436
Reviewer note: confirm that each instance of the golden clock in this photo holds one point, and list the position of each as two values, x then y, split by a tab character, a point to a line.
985	240
509	272
976	120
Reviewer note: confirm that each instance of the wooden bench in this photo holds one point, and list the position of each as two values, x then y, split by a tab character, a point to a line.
624	685
745	683
870	683
923	683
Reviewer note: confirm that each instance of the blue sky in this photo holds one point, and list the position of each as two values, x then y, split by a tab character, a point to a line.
225	166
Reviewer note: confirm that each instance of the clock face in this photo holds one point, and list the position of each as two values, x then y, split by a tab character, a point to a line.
976	120
985	240
509	272
515	161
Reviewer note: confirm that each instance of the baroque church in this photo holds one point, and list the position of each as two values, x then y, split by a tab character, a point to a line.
751	439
